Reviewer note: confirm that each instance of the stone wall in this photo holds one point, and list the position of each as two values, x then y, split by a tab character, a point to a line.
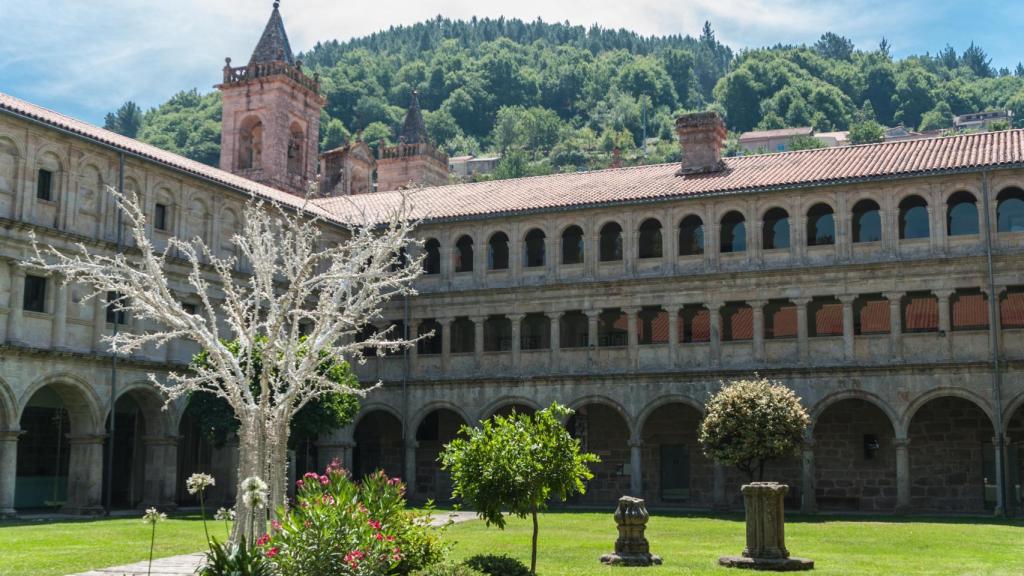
947	436
851	476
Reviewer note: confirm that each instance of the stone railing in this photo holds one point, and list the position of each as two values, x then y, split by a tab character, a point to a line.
234	75
408	150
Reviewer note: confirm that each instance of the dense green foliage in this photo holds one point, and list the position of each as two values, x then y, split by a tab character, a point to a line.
514	465
568	95
749	422
495	565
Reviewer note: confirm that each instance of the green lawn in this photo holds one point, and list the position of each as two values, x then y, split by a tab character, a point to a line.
66	547
571	543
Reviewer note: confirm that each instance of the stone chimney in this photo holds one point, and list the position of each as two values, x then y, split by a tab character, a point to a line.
701	136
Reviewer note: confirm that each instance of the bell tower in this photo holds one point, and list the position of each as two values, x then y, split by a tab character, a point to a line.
271	115
414	161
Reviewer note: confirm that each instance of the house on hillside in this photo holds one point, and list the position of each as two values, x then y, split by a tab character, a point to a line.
981	121
772	140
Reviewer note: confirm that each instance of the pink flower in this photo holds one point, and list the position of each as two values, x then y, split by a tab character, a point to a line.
394	481
299	483
378	536
390	538
374	523
262	540
324	480
311	476
272	552
328	499
275	525
353	558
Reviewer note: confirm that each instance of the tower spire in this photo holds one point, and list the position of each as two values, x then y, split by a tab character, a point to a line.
273	45
414	131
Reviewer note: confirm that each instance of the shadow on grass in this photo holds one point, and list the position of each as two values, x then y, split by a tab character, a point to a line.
10	522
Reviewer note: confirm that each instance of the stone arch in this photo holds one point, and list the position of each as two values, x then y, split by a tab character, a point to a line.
10	164
1013	425
50	152
8	407
1015	404
820	406
495	406
434	429
83	404
379	443
604	428
918	402
152	404
417	418
674	470
366	409
645	414
606	401
250	143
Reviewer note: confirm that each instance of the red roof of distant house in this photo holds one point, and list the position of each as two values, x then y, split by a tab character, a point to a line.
778	133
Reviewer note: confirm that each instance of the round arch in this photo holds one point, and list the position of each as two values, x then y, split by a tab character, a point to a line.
578	403
651	407
916	404
8	407
417	418
367	409
152	406
81	401
493	408
1015	404
819	407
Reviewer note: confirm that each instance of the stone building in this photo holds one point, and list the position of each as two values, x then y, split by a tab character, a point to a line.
884	283
414	160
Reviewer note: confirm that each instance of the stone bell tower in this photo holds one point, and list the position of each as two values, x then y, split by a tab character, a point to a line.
414	161
271	119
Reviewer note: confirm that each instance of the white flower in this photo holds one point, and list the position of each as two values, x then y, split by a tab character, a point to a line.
152	516
199	482
224	514
254	492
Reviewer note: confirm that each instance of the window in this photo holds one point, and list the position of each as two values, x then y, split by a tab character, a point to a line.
733	236
366	333
1011	308
464	254
696	324
1010	210
533	257
431	345
44	185
463	336
871	315
611	242
612	328
826	317
780	320
969	310
691	236
776	229
497	252
160	217
35	294
780	147
573	330
650	239
535	332
913	218
189	308
962	215
432	260
572	245
737	322
867	222
497	334
115	312
821	226
652	325
920	312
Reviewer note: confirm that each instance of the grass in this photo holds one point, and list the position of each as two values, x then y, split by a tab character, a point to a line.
571	543
52	548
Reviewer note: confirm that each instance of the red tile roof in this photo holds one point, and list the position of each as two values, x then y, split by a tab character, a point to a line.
134	147
779	133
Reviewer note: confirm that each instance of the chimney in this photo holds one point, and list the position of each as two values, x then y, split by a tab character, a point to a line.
701	135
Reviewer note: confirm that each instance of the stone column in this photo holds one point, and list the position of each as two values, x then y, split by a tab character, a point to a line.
809	502
99	324
632	337
719	500
848	349
592	316
673	333
766	531
478	340
630	252
414	328
801	327
554	338
16	304
446	343
553	259
945	325
8	470
902	475
517	326
715	320
895	324
447	270
85	474
636	479
410	466
757	307
161	472
59	325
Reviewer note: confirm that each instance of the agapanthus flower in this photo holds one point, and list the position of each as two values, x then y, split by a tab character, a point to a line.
199	482
254	492
152	516
224	514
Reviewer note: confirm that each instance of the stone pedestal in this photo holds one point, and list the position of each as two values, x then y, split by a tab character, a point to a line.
631	547
766	532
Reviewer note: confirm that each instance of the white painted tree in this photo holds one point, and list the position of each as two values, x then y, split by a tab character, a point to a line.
301	303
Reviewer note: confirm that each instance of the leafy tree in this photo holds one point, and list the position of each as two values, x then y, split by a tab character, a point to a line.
937	118
187	124
334	135
738	92
975	59
998	126
805	143
866	132
749	422
376	132
834	46
441	125
516	464
126	120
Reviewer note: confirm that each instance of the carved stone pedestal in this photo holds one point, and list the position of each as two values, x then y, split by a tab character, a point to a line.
766	532
631	547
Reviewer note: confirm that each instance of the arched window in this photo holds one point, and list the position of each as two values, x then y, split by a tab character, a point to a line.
913	218
533	256
612	327
464	254
776	229
573	330
572	245
497	334
535	332
611	242
250	143
296	149
1010	210
867	222
962	214
432	260
733	237
650	239
691	236
463	336
497	252
432	344
821	225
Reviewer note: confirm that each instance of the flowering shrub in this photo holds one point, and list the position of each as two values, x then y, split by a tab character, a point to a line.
749	422
341	527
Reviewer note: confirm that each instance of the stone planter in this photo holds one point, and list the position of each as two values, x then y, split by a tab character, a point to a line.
766	532
631	547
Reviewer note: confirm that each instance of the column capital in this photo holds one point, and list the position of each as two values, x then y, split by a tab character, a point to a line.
17	270
592	312
894	296
631	310
801	301
846	298
76	439
899	443
555	314
11	434
516	316
445	321
714	305
1000	290
943	292
636	443
757	304
478	319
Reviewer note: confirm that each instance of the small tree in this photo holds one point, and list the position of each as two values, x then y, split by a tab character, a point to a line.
749	422
516	464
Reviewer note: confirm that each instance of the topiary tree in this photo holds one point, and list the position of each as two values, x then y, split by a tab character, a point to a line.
749	422
516	464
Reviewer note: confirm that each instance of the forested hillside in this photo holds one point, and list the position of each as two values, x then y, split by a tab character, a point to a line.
556	97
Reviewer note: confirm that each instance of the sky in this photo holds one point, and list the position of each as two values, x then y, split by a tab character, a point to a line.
85	57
